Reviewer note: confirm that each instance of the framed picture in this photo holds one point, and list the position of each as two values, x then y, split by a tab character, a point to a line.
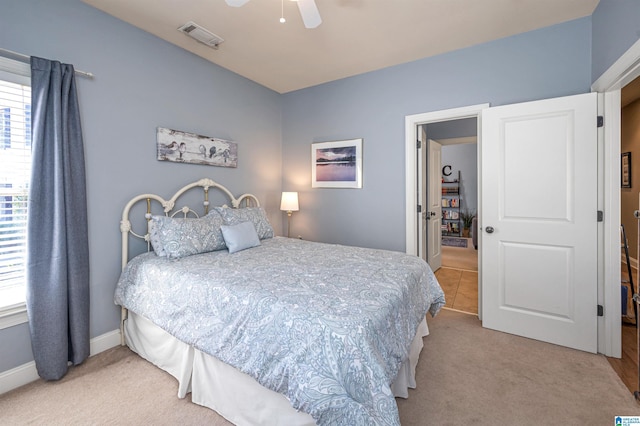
336	164
183	147
625	170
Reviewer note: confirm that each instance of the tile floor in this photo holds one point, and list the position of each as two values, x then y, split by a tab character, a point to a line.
458	277
460	288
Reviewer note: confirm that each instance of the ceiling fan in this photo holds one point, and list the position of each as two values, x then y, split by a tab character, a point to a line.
308	11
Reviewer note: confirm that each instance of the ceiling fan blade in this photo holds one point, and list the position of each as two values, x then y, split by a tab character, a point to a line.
309	12
236	3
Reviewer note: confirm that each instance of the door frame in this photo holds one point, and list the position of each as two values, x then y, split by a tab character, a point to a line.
412	122
411	162
610	83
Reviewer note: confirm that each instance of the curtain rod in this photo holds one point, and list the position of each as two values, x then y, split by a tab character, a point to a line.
25	58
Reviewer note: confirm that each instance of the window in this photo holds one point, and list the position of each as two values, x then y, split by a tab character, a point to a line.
5	128
15	172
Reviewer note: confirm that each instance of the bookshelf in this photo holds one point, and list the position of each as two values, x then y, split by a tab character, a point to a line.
451	226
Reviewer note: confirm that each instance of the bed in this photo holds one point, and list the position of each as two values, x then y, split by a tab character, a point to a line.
266	329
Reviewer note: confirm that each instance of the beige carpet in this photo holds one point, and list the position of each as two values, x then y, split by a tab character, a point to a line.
466	375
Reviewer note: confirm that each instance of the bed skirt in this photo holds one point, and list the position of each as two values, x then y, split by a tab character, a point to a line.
231	393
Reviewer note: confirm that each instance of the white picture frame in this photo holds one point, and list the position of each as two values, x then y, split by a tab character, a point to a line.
336	164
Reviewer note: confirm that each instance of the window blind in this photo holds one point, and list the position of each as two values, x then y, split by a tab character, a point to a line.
15	172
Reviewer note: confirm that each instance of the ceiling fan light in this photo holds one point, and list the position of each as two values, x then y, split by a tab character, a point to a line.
310	13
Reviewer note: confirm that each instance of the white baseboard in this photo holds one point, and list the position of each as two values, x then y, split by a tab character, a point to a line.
103	342
19	376
27	373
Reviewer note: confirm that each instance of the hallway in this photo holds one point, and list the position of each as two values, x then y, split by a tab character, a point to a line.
458	277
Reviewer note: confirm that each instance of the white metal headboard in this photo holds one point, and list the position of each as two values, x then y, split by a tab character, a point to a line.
170	210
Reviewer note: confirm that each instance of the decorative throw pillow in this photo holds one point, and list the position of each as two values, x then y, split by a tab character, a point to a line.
255	215
241	236
180	237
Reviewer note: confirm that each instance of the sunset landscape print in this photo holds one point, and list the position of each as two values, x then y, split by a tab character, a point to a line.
337	164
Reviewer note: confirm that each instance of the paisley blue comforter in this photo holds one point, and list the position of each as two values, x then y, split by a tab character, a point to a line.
326	325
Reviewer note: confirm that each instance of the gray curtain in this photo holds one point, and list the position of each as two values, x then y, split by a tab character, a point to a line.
57	243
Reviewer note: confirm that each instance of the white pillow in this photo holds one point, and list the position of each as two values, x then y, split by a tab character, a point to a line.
241	236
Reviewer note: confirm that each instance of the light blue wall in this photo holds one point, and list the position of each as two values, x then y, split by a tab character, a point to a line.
463	158
616	27
551	62
141	82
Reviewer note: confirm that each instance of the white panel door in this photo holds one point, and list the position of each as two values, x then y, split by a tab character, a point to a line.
434	204
422	194
539	220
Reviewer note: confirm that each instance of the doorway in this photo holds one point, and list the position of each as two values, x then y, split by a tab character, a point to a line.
459	272
416	217
626	366
457	171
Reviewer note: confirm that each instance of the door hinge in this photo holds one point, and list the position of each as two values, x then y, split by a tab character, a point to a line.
600	121
600	216
600	311
418	144
419	208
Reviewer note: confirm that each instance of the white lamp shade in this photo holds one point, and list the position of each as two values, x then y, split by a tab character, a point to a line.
289	202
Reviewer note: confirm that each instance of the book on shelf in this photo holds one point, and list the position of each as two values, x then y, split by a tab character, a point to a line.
450	202
450	227
450	215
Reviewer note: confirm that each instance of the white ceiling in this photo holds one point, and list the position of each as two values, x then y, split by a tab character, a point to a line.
355	36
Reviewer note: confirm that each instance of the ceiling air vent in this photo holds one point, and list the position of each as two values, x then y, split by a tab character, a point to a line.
201	34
